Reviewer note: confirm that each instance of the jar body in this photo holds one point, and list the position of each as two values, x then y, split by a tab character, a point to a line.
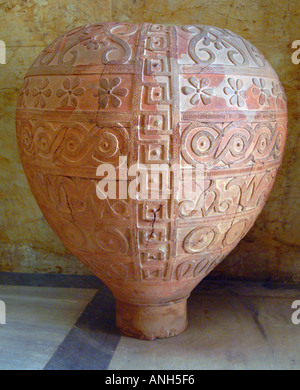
172	96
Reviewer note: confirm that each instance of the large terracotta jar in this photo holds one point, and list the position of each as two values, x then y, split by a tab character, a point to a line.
184	96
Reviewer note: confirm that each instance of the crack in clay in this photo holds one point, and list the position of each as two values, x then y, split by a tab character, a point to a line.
99	97
68	202
153	222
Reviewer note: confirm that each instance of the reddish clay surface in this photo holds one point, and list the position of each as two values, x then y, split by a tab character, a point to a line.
159	95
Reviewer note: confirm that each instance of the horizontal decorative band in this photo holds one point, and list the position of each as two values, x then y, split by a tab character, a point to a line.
59	70
90	172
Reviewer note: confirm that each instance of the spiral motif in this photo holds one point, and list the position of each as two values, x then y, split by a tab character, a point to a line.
199	143
43	138
111	143
26	138
72	143
108	145
238	145
43	143
71	148
263	143
234	143
279	142
202	142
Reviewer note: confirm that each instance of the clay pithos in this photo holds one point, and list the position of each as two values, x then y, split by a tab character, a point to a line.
155	95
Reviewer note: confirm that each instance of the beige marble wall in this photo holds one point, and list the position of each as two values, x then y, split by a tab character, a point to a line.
27	244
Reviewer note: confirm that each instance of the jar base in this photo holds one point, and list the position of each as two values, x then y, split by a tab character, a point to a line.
148	322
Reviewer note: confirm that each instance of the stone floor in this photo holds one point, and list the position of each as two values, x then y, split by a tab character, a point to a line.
68	322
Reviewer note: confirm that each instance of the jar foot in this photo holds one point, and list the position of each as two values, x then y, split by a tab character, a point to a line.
149	322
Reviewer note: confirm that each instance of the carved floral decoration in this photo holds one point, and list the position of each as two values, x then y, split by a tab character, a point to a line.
198	91
109	93
41	92
70	92
236	93
261	91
